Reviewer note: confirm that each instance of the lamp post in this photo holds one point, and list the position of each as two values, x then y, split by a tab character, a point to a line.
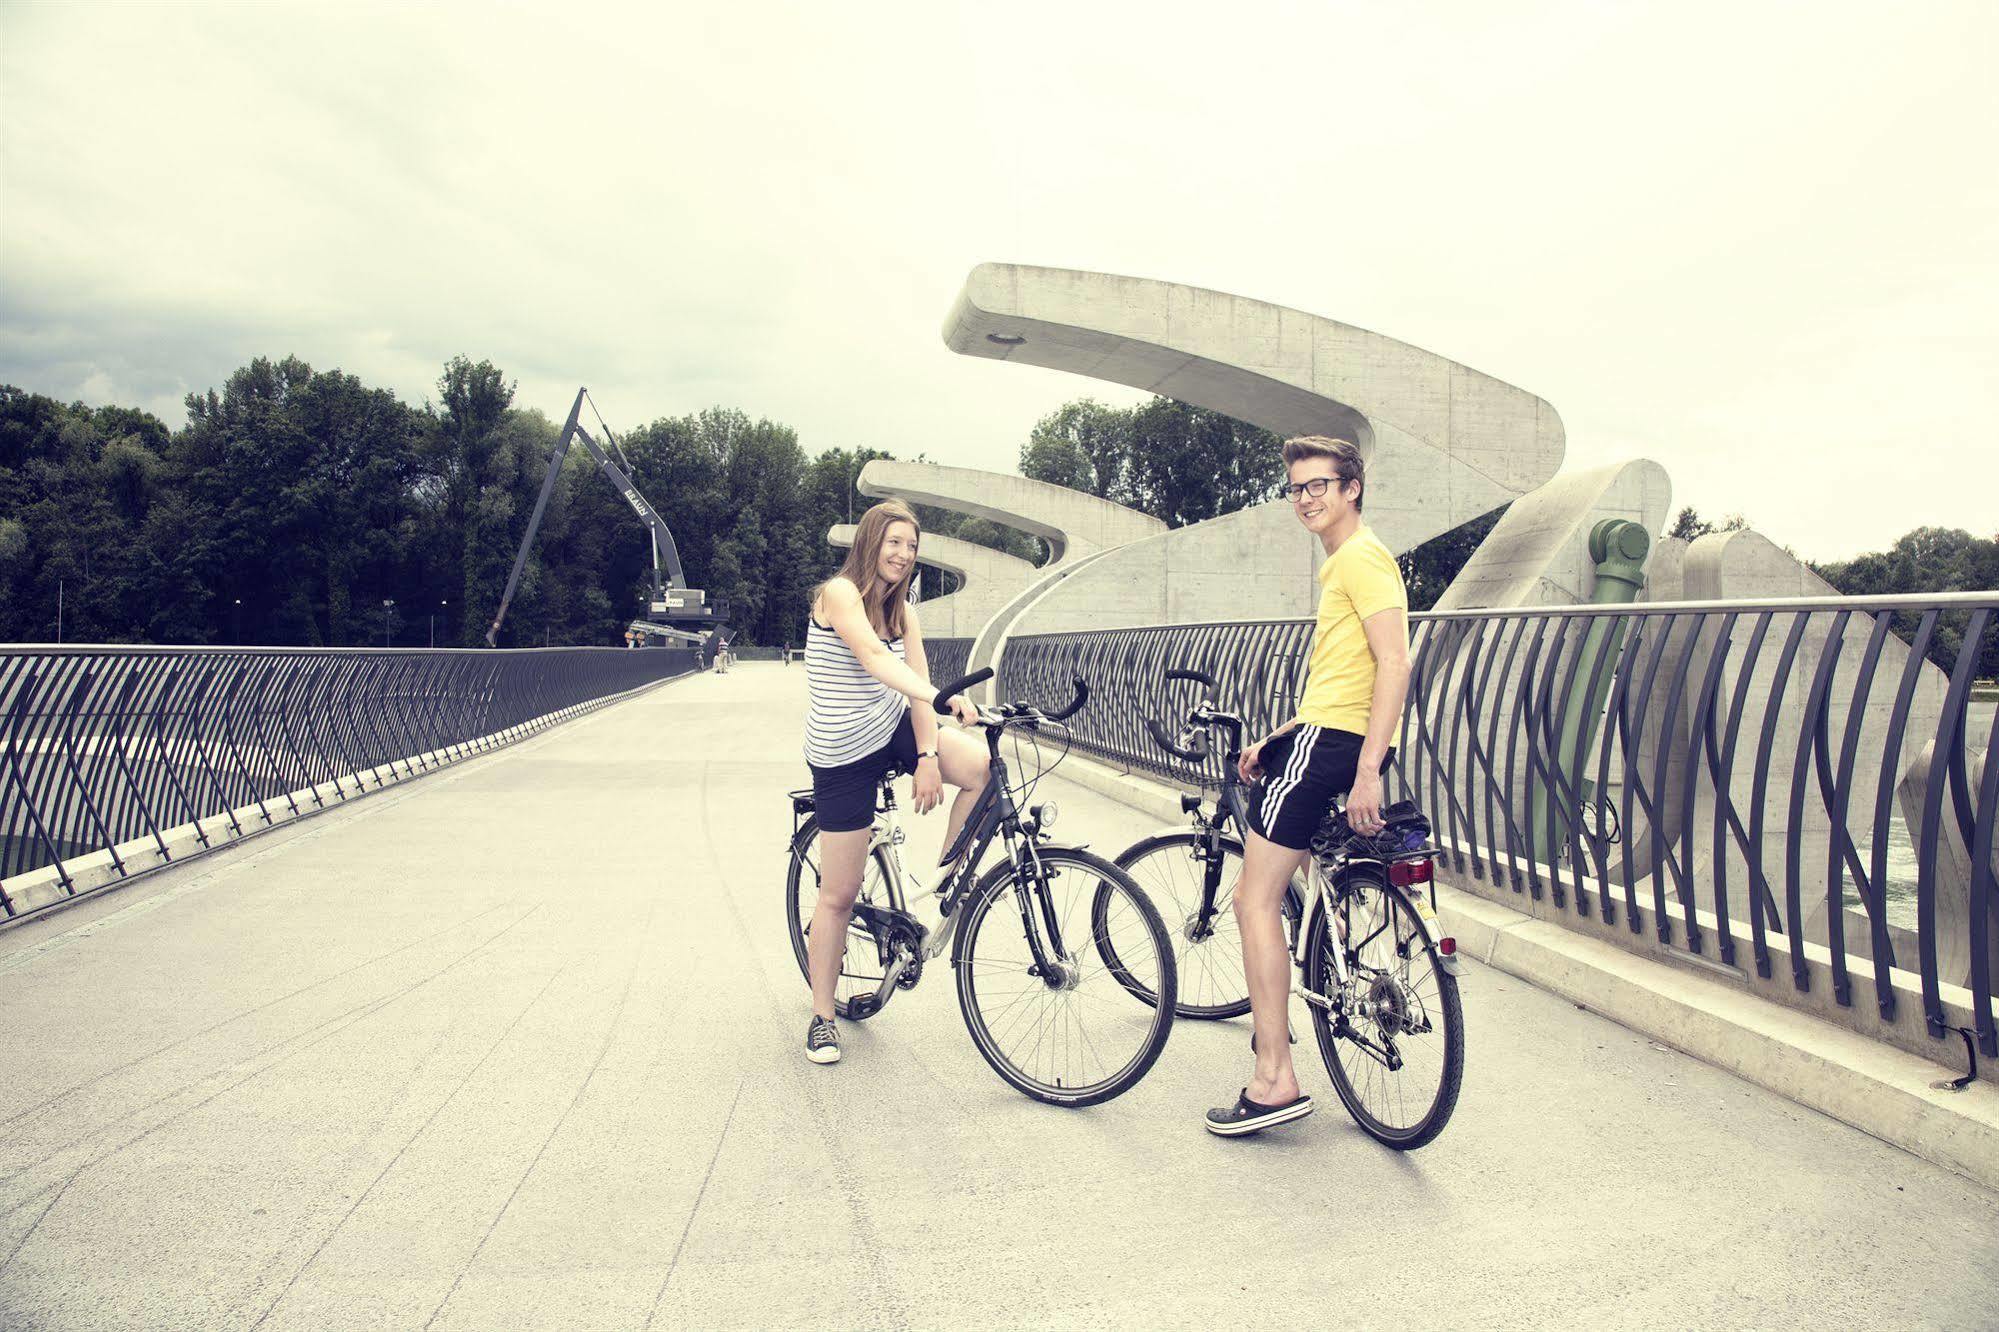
236	621
388	604
433	624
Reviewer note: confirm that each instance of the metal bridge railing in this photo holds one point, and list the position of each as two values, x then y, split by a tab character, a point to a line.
947	657
1786	789
103	748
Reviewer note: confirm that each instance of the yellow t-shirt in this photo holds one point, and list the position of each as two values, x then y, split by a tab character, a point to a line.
1358	580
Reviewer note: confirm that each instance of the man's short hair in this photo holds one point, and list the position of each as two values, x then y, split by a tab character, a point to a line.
1348	465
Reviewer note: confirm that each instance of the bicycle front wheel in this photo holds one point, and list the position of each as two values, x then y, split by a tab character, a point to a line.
1173	870
1394	1042
1055	1018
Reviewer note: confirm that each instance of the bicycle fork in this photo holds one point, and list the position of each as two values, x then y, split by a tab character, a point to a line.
1050	956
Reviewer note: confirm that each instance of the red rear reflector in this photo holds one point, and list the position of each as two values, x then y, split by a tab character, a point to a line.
1447	945
1405	872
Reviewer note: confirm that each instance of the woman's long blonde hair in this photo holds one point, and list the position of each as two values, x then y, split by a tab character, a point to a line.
884	603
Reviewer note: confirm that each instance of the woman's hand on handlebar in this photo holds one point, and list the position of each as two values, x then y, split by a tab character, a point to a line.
966	711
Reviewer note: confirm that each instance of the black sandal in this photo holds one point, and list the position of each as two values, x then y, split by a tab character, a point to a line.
1247	1116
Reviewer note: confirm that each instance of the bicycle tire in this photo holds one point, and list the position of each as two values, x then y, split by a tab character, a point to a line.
1148	1033
796	922
1153	863
1444	1007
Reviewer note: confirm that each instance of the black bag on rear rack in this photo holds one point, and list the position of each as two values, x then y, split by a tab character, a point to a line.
1404	829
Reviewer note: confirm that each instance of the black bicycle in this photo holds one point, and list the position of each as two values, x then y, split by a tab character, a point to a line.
1378	975
1066	1007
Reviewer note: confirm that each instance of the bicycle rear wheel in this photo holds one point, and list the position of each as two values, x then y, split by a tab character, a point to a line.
1074	1033
860	967
1395	1042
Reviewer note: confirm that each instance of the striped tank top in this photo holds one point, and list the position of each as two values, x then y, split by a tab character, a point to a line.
850	713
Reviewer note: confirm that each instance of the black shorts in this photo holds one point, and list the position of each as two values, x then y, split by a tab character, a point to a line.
1304	771
844	796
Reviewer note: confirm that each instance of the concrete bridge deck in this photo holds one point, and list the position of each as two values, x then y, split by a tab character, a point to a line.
518	1045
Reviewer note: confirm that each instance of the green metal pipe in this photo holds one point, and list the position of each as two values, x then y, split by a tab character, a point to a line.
1619	547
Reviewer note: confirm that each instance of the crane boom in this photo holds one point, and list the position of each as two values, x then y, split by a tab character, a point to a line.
670	594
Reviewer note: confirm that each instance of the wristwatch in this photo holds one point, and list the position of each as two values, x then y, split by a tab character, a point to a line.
923	754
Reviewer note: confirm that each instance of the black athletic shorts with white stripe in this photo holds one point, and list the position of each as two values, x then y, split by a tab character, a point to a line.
1304	771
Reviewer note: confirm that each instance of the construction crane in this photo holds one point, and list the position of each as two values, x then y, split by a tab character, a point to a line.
675	611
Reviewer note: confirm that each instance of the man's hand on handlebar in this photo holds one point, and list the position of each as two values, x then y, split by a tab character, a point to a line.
1250	766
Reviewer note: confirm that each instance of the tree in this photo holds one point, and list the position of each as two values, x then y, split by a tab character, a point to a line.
1085	446
1431	567
1689	525
1929	559
1180	463
475	399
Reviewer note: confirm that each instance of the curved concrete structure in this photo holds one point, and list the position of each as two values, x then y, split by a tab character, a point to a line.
1444	442
1078	528
1538	553
988	580
1253	564
1071	522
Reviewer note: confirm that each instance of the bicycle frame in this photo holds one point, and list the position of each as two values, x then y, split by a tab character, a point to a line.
1231	817
995	815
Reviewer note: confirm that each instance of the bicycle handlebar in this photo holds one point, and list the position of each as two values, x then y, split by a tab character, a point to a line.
1021	711
1082	688
1198	677
1198	754
943	700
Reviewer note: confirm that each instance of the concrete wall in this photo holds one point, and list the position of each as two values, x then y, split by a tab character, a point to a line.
1253	564
1746	565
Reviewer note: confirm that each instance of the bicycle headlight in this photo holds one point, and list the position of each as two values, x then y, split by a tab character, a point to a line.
1044	815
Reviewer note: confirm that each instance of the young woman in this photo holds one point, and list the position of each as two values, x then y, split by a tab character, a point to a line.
864	667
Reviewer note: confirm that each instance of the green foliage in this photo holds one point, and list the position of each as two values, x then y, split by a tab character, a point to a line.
1180	463
1929	559
294	503
1429	568
1689	525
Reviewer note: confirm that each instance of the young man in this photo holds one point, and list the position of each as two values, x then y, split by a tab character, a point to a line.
1337	744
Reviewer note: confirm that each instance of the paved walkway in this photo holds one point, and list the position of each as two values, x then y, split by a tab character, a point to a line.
518	1045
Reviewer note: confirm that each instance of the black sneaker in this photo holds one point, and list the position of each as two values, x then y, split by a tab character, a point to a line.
822	1041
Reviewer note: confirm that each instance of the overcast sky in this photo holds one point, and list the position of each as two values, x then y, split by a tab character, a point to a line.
1754	242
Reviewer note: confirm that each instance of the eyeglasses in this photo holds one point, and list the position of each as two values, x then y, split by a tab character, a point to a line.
1316	487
